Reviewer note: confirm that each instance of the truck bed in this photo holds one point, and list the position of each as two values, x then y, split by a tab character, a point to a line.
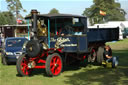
103	34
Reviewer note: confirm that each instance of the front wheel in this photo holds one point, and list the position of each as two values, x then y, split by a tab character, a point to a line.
22	66
54	64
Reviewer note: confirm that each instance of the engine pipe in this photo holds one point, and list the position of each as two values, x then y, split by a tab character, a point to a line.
34	23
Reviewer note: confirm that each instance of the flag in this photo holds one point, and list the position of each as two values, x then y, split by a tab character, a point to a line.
102	13
19	21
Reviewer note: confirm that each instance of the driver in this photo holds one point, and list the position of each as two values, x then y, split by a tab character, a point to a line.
67	30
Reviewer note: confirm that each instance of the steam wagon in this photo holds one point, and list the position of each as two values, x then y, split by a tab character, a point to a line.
61	39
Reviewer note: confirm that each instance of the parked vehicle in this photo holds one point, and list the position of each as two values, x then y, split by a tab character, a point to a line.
125	33
61	39
0	43
12	49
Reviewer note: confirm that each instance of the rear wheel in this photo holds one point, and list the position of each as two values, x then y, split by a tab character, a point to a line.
100	54
54	64
22	66
92	56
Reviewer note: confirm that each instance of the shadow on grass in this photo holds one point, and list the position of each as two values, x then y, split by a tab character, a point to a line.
39	72
103	76
36	72
100	76
43	72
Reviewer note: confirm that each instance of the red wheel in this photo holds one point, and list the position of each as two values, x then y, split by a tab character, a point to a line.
22	66
53	64
92	56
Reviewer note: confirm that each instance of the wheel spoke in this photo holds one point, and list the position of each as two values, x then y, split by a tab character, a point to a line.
55	65
55	71
23	69
52	68
58	68
58	60
51	64
54	60
26	71
24	66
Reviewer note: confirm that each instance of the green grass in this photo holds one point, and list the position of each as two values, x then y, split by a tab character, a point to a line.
89	75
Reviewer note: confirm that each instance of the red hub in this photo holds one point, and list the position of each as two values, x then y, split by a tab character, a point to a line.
55	65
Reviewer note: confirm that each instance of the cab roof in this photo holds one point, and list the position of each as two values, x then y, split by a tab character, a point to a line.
56	16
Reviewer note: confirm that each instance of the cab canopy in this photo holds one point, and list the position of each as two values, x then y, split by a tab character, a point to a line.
67	23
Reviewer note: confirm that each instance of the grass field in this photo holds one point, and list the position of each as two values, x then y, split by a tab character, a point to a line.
89	75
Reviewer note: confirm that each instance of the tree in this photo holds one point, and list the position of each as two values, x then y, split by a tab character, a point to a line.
111	11
7	18
15	6
2	19
54	11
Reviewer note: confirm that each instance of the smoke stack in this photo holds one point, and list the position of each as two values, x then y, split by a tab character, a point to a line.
34	14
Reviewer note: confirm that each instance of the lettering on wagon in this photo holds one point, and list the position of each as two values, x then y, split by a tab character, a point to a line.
68	45
60	39
60	42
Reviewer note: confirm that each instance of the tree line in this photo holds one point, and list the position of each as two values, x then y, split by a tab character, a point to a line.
101	11
104	10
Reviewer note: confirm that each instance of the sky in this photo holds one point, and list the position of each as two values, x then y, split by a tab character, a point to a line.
64	6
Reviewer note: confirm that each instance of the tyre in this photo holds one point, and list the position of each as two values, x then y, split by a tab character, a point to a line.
33	48
22	66
100	54
54	64
4	61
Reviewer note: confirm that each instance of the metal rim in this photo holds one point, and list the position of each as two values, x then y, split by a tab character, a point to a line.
24	66
55	65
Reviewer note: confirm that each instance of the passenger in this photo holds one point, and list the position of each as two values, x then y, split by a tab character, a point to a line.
60	32
108	56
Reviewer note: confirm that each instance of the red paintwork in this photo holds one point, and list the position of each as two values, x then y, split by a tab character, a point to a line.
39	59
56	65
84	57
60	50
43	66
24	67
93	51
